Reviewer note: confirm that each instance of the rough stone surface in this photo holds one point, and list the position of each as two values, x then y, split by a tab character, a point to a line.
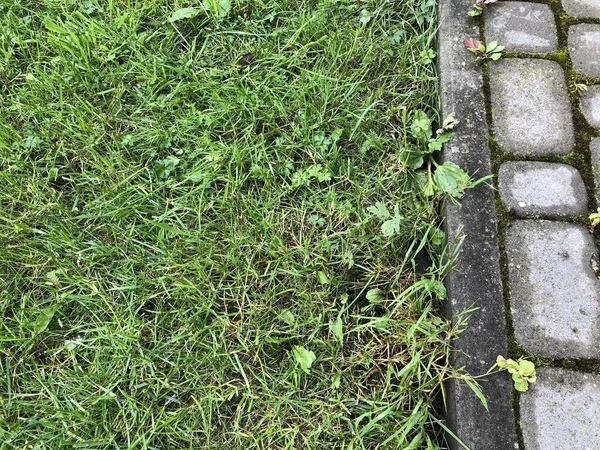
595	150
542	190
555	294
521	27
475	278
530	107
584	46
582	8
561	411
590	105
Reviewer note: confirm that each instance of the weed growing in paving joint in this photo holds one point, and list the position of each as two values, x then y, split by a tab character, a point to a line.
484	52
185	240
522	371
479	6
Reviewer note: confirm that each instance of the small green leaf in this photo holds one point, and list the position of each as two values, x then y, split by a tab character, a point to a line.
526	368
184	13
43	319
421	125
391	227
379	210
491	46
365	16
336	328
512	366
438	288
288	317
374	295
434	145
496	56
595	218
501	362
452	180
521	386
438	237
304	358
52	277
412	158
517	377
336	380
449	123
220	8
323	278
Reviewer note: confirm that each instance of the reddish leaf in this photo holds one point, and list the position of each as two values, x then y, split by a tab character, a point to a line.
472	43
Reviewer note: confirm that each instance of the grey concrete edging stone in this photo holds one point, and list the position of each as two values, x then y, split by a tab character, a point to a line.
590	105
561	411
542	190
584	47
595	150
531	107
555	293
582	8
475	279
521	27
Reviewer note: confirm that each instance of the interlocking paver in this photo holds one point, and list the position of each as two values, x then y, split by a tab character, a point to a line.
584	46
595	150
542	190
561	411
590	105
555	294
582	8
521	27
530	107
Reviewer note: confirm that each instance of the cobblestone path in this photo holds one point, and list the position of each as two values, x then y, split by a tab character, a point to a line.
545	126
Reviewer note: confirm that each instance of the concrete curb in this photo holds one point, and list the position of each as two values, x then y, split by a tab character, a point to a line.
475	280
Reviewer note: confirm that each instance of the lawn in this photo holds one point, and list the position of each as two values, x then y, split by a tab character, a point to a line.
216	228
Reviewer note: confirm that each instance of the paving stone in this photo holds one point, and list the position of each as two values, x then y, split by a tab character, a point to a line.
582	8
590	105
542	190
521	27
555	294
561	410
530	107
584	46
595	150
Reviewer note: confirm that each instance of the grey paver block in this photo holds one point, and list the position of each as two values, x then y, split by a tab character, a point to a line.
561	411
582	8
542	190
530	107
595	150
584	46
521	27
590	105
555	294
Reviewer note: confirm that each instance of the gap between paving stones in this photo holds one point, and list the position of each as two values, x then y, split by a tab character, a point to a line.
581	158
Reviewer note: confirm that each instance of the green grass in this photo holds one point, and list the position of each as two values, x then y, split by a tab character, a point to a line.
184	217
